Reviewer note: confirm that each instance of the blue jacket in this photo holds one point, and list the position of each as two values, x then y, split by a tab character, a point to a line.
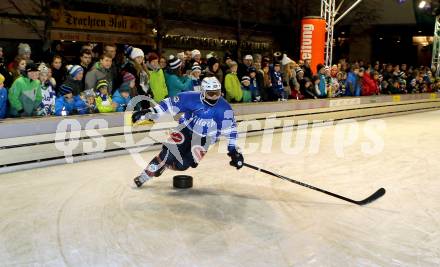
3	102
122	102
202	118
68	106
277	81
176	84
352	85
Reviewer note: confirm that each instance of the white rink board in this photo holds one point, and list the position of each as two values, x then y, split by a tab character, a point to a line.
87	214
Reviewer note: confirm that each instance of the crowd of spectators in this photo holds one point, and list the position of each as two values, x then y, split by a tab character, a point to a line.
107	83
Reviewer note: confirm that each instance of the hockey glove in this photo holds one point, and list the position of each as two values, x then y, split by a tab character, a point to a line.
236	159
144	114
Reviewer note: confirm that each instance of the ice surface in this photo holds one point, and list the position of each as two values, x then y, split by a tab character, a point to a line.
87	214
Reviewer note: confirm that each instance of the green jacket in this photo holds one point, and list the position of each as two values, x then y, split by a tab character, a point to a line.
233	88
24	94
104	106
158	85
247	95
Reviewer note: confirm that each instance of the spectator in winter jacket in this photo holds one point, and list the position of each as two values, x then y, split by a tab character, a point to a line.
196	56
316	81
85	62
67	104
369	86
110	49
245	88
301	80
17	68
308	89
135	65
353	87
342	79
58	71
129	80
3	98
121	98
243	68
47	106
233	90
25	93
158	86
163	63
103	99
214	69
388	72
196	70
307	70
4	70
24	51
266	91
100	71
176	83
89	107
290	80
255	84
277	82
74	79
436	85
322	70
334	86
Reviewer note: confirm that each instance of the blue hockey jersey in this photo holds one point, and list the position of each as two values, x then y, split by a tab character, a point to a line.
203	119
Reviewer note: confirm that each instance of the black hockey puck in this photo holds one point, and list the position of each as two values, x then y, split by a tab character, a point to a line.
182	181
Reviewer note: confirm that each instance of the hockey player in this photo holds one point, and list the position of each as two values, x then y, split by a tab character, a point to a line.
205	116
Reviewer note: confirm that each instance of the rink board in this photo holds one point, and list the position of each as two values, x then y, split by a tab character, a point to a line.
30	143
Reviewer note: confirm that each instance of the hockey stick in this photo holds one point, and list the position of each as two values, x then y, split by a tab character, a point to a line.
379	193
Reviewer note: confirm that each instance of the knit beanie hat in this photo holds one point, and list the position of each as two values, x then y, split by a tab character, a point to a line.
128	77
195	52
245	78
210	55
136	52
74	70
125	87
252	69
128	49
248	57
196	67
299	70
101	83
65	89
174	62
89	93
23	48
43	69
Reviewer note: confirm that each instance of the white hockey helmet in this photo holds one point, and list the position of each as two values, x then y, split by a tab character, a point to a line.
211	84
211	90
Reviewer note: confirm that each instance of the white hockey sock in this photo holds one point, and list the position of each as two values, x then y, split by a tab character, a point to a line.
143	177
